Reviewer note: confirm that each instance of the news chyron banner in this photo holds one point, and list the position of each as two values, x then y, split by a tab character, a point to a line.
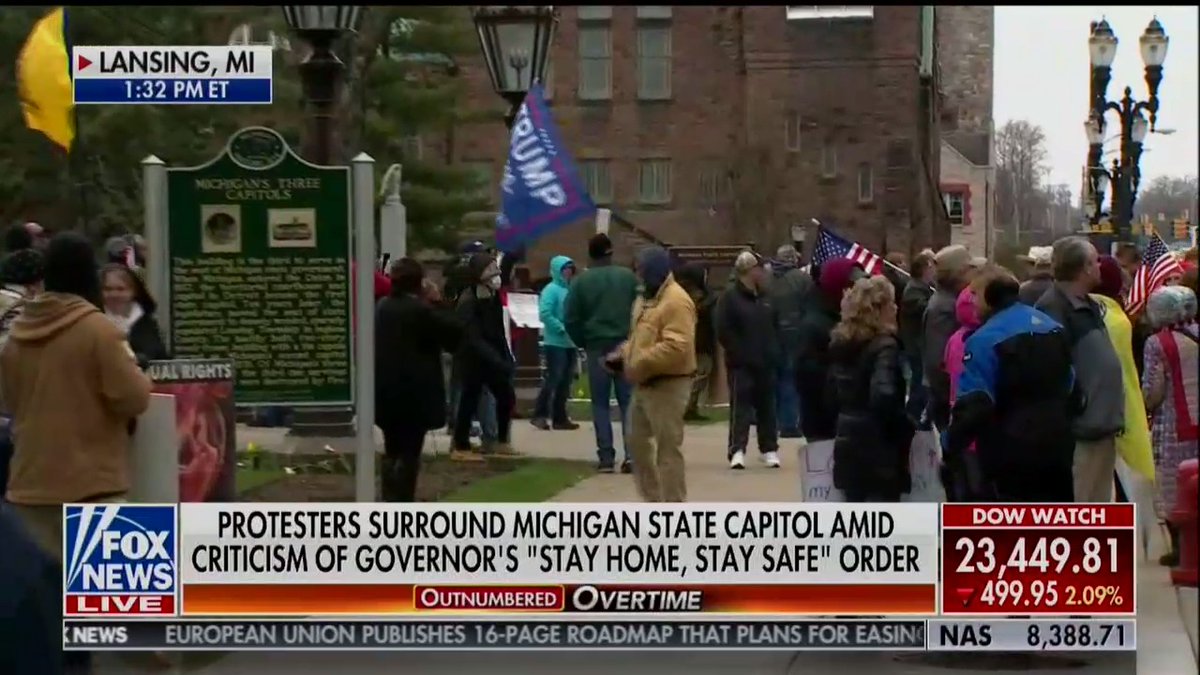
161	75
816	576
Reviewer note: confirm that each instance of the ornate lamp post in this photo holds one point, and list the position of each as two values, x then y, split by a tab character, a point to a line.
322	72
1126	174
516	48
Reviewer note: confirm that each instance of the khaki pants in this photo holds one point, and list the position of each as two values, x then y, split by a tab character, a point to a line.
1095	462
45	523
656	439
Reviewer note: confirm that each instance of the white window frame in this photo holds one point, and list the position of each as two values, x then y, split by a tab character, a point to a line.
815	12
867	172
949	199
643	89
598	93
793	131
656	171
548	80
596	174
829	160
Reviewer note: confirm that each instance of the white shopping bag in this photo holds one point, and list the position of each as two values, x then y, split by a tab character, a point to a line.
924	466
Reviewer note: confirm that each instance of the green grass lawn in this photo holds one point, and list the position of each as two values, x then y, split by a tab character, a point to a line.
536	480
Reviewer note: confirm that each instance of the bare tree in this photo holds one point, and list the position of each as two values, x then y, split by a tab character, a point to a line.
1020	168
1169	197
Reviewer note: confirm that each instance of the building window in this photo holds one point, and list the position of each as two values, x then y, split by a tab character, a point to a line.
595	61
548	81
956	207
654	61
597	179
411	148
829	165
713	184
654	181
866	184
791	132
810	12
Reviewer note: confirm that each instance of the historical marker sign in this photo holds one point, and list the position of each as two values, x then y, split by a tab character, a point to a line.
258	245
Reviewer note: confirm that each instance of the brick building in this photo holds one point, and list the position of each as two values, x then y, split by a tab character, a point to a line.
966	48
722	125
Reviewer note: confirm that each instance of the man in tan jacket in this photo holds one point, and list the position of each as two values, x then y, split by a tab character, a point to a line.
659	359
72	386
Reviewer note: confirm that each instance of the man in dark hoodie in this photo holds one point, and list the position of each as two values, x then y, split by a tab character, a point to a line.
597	317
789	293
746	329
484	358
694	279
913	301
818	415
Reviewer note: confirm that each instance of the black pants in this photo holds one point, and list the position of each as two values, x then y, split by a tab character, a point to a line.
401	463
473	382
1035	484
752	401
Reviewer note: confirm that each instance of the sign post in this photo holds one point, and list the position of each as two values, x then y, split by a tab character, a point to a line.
257	269
364	321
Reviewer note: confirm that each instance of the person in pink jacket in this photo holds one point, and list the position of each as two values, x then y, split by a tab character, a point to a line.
968	319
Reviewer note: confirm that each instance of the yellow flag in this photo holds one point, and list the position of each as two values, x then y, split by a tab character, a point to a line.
44	78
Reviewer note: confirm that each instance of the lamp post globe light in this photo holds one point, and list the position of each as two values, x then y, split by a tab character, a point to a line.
1134	125
516	42
322	72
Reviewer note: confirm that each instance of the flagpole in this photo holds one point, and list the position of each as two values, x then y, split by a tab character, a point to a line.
75	158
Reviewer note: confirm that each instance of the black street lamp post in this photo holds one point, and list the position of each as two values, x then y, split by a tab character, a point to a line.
322	72
321	76
516	48
1125	175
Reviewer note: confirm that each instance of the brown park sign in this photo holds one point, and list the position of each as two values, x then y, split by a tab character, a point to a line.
708	256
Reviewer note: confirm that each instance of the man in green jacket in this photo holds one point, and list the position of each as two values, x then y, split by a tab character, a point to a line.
597	315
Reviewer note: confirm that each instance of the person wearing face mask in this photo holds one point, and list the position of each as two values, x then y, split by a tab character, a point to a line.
484	358
659	358
746	330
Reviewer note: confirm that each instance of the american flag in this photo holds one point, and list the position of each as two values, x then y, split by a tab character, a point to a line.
830	246
1157	265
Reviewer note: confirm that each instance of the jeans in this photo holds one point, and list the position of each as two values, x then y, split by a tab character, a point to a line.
603	385
556	387
787	400
485	414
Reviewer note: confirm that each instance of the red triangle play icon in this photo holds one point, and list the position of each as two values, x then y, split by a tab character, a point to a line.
965	595
84	62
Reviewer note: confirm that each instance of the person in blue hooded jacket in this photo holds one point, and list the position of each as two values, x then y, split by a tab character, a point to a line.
550	411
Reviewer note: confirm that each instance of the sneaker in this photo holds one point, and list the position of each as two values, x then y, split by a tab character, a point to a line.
771	459
541	423
606	468
564	426
627	467
466	456
738	460
476	431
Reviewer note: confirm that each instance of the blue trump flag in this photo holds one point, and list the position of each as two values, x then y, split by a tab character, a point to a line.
541	189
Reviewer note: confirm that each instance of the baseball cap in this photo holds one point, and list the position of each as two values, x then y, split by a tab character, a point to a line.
956	259
746	261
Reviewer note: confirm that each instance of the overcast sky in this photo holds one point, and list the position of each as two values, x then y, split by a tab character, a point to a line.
1042	75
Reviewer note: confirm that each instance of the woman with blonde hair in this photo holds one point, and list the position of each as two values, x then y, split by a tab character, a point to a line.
870	451
1169	385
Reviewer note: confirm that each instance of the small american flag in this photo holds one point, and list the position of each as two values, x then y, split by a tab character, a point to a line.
830	246
1157	265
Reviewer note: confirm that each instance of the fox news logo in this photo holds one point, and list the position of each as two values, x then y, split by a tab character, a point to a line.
119	560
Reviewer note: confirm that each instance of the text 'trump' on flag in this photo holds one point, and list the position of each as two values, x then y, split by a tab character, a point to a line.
44	80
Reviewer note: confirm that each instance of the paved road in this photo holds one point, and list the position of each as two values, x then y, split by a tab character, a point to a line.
1163	645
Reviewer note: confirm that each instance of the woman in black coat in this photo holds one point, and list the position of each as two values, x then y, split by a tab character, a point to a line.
870	451
129	305
411	332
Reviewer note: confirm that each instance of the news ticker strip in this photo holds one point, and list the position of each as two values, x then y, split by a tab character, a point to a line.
1051	635
1038	559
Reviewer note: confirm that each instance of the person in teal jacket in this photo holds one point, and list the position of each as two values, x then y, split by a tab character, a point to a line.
550	411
